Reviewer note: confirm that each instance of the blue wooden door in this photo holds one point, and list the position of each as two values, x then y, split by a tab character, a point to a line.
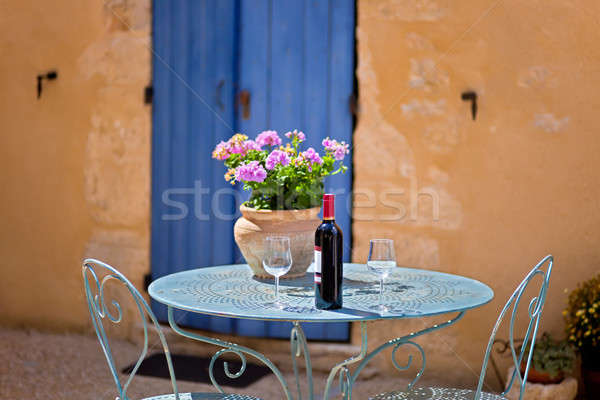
296	60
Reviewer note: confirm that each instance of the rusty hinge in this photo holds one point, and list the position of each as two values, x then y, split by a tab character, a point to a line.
49	76
147	281
472	97
353	105
148	94
244	101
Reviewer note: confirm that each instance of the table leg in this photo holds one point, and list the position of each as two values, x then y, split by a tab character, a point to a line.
342	368
236	349
299	346
397	343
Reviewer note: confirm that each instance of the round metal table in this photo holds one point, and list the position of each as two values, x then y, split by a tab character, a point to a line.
231	291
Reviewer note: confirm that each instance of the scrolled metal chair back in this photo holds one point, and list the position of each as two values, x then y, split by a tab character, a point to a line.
542	272
100	312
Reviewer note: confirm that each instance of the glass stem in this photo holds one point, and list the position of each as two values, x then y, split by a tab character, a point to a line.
277	289
381	292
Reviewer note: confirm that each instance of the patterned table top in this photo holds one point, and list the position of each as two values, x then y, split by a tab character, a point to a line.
231	291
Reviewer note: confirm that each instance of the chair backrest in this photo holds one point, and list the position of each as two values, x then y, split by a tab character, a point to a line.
542	272
95	276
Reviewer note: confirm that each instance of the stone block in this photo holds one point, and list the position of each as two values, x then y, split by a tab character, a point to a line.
565	390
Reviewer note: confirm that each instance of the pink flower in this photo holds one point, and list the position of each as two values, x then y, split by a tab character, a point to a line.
312	156
237	144
277	157
250	172
329	144
237	148
251	145
243	147
339	150
268	138
221	151
293	134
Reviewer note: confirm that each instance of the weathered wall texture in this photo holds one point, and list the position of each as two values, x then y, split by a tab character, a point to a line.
75	163
519	182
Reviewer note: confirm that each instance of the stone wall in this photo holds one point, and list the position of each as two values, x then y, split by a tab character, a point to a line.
76	161
485	198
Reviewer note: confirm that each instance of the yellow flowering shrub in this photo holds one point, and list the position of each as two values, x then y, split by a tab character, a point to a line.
582	315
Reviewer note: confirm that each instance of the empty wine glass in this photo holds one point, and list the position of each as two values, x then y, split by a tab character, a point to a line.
277	261
382	261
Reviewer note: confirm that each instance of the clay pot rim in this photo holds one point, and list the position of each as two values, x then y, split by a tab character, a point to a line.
536	376
287	215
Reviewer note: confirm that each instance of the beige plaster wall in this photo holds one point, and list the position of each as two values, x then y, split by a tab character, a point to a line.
519	182
75	163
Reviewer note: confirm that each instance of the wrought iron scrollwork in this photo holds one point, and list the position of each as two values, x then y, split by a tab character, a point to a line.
409	362
343	367
501	348
100	311
299	347
228	373
345	382
520	352
399	342
229	347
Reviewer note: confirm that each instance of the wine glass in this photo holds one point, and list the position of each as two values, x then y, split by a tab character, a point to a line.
382	260
277	261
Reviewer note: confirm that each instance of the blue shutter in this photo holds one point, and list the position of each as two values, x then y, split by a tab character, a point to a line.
296	59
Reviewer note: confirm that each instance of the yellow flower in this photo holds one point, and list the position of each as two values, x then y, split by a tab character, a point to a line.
238	138
229	175
288	148
221	152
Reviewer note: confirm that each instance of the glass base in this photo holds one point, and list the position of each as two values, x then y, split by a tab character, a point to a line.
275	304
381	308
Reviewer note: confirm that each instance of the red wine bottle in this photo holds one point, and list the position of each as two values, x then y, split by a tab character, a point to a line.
329	254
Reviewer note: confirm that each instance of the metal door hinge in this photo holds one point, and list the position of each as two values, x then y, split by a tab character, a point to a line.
353	105
49	76
244	101
472	97
148	94
147	281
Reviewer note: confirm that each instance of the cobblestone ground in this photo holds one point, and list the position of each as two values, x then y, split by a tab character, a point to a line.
46	366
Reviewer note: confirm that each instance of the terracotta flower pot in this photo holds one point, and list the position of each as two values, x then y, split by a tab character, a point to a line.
536	376
252	228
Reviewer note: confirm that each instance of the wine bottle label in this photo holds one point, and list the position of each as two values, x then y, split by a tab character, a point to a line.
317	264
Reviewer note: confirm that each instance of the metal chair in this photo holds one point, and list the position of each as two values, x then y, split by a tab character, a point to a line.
536	305
100	312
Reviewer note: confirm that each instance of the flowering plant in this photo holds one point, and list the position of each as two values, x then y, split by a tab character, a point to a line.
554	357
281	177
582	315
